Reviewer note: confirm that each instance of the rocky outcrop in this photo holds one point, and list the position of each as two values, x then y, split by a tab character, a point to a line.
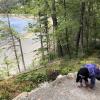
63	88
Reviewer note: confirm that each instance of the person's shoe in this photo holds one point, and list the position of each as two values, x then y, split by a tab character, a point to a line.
92	87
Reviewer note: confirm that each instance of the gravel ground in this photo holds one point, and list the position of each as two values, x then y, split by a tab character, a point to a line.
64	88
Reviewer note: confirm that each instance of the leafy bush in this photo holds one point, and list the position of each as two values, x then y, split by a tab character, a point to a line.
21	78
41	78
28	86
35	78
66	70
5	95
52	56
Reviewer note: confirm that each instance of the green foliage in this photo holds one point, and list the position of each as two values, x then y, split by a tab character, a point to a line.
26	86
35	78
52	56
65	70
30	80
5	95
70	25
68	15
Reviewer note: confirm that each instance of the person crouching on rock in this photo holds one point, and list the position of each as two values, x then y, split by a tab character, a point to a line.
88	71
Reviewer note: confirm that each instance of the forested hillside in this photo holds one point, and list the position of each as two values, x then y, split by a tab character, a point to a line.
41	37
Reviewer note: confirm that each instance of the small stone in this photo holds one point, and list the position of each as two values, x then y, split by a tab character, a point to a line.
70	75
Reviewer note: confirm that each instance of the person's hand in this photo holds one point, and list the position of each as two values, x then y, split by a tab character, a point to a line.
87	84
80	86
91	87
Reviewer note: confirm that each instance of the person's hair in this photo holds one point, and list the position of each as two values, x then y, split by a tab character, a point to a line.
82	72
78	78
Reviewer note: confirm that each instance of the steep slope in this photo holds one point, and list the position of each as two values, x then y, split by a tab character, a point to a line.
64	88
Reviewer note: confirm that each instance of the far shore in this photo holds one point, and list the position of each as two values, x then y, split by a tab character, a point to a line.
24	16
30	16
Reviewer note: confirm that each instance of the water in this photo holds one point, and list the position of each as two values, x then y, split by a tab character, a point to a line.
19	24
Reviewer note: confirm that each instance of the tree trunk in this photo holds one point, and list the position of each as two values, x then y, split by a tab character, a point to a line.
55	24
53	15
5	59
22	55
13	42
66	31
81	29
46	31
87	33
41	38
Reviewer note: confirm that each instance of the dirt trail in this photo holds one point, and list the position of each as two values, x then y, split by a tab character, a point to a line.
62	89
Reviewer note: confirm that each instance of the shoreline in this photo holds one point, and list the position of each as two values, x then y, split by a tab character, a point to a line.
25	16
30	16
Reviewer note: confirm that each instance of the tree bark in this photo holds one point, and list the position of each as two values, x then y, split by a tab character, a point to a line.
81	29
41	38
55	25
13	42
5	59
66	30
22	55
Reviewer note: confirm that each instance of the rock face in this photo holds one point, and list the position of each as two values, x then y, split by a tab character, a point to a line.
63	88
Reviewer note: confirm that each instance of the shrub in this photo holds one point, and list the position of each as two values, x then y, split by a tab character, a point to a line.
28	87
65	70
52	56
41	78
5	95
21	78
35	78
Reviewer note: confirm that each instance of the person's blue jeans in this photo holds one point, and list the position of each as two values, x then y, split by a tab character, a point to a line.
92	81
98	76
